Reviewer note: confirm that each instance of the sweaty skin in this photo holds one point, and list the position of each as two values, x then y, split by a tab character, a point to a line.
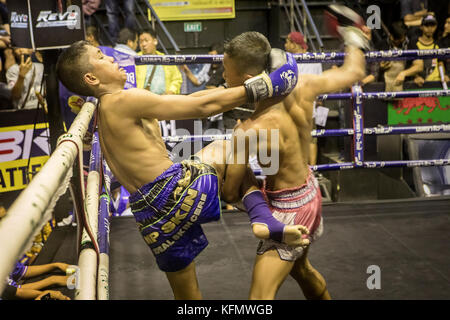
293	118
129	132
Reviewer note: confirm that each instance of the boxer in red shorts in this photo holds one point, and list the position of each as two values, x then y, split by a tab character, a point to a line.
292	192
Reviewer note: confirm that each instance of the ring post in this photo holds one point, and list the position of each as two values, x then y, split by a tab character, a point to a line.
358	126
87	260
103	236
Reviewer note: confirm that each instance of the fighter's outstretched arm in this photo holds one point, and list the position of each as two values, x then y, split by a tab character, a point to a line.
332	80
144	104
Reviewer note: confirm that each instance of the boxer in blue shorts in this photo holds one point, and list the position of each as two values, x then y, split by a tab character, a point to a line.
169	200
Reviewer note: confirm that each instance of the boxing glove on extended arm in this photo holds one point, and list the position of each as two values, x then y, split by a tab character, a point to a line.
281	81
346	23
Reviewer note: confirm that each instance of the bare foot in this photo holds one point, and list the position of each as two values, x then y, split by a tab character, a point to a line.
292	234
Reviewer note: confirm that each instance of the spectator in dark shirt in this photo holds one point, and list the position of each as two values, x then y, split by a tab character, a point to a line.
444	42
412	12
398	40
423	70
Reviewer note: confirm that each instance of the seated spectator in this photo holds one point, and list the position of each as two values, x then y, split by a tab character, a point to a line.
372	68
159	79
25	78
444	42
112	11
412	12
127	41
22	271
398	40
92	36
13	293
423	70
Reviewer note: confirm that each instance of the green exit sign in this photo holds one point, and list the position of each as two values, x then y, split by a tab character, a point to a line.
192	26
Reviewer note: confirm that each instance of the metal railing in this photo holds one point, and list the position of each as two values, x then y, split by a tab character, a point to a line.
302	21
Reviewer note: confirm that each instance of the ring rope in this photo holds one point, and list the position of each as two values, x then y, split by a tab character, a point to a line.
308	57
26	213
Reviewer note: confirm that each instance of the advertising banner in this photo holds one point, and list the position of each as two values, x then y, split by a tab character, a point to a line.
193	9
46	24
24	148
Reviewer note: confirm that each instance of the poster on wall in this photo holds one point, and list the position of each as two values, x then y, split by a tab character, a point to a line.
193	9
421	110
46	24
24	148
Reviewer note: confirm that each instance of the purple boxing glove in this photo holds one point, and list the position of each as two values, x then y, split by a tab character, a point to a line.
281	81
259	212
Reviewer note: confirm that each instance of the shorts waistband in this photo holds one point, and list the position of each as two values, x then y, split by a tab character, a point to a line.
292	198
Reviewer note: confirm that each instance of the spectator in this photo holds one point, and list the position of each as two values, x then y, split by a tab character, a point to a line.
127	41
295	43
89	8
112	11
25	78
372	68
5	91
195	77
398	40
156	78
216	70
412	12
204	72
423	70
92	36
22	271
4	16
12	293
444	42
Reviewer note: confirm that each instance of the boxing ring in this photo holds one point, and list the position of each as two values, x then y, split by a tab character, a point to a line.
34	205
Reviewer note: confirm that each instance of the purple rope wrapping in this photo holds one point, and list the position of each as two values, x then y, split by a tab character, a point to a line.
309	57
382	164
381	130
104	211
387	95
358	126
103	224
94	160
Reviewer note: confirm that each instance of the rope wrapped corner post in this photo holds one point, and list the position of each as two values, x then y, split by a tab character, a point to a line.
28	212
103	235
88	256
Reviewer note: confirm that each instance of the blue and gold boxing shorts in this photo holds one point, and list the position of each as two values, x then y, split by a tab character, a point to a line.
170	209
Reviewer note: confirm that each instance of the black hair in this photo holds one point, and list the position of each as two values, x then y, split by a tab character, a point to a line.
150	31
250	51
126	34
71	67
217	47
398	30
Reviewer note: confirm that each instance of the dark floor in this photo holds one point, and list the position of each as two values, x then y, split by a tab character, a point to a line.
408	240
